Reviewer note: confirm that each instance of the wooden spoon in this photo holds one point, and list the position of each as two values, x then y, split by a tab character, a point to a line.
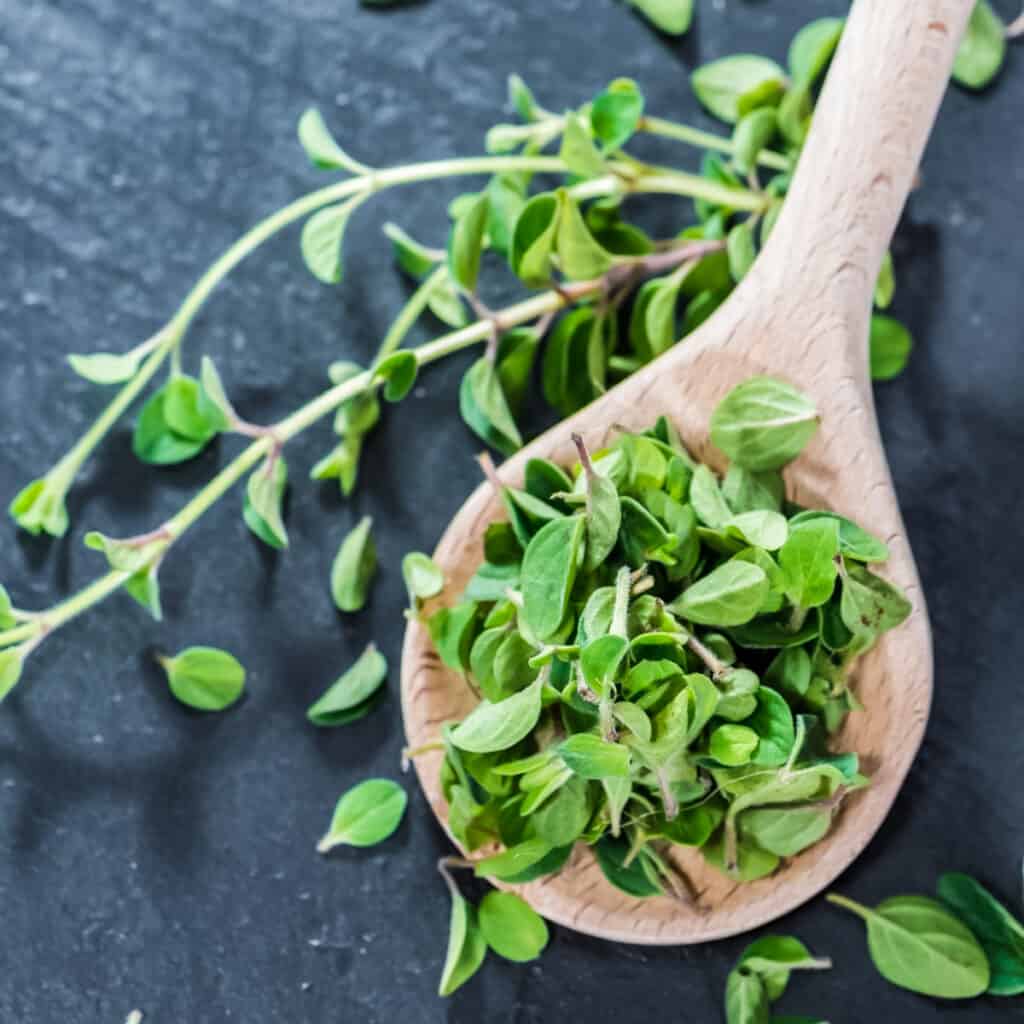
802	314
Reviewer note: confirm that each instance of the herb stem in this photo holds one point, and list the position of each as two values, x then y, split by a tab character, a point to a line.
16	634
410	313
848	904
706	140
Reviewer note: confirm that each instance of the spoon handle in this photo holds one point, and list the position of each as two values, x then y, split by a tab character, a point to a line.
860	159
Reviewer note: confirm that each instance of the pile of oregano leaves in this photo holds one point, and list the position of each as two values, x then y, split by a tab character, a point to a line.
661	656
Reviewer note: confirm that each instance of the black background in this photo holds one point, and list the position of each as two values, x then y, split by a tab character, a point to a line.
154	858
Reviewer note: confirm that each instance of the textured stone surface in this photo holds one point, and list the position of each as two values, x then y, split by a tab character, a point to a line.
156	859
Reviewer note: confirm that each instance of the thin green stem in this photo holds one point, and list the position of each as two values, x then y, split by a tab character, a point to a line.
707	140
679	183
848	904
410	313
16	634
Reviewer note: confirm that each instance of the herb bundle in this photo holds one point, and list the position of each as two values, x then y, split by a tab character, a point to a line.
662	657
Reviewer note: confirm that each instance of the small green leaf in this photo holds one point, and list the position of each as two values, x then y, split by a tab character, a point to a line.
520	96
773	722
144	587
321	148
205	678
890	345
466	243
533	240
322	237
773	958
615	113
159	443
466	946
580	257
885	286
591	757
7	619
871	605
354	567
549	571
484	407
423	576
493	727
452	631
264	507
341	464
733	745
763	423
854	541
578	150
741	249
415	259
808	560
752	133
812	48
107	368
349	697
512	928
39	507
722	85
398	371
366	815
12	660
671	16
728	596
214	405
982	48
125	556
746	1001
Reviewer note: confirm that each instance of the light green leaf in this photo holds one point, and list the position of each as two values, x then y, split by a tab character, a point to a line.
39	507
264	507
415	259
578	150
512	928
7	619
982	48
107	368
550	564
671	16
204	678
321	148
12	660
728	596
741	249
492	727
580	256
591	757
423	576
752	133
466	946
890	345
721	85
214	404
466	243
348	698
398	371
885	285
812	48
615	113
366	815
484	407
733	745
808	560
322	237
353	568
533	240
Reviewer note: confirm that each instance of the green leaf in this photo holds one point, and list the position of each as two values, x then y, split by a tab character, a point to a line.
561	819
854	541
521	98
578	150
144	587
707	500
533	240
871	605
7	619
752	133
604	517
415	259
808	560
889	345
512	928
12	660
352	691
728	596
322	237
615	113
741	250
354	567
156	441
492	727
774	957
1001	935
747	492
320	146
580	257
630	877
722	85
39	507
107	368
466	243
205	678
514	861
885	285
264	507
746	1001
812	48
772	720
591	757
214	405
365	815
466	947
398	371
484	407
733	744
422	575
125	556
550	564
761	528
982	48
787	831
671	16
763	423
452	631
918	945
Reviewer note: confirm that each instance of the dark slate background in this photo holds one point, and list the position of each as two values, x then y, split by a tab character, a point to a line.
155	858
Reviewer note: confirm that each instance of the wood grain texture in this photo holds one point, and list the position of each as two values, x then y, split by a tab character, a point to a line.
802	313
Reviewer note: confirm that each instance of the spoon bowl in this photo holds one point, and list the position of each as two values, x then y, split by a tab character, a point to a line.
802	314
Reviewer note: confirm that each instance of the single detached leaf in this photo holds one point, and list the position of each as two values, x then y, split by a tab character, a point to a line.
671	16
366	815
398	371
512	928
1001	935
492	727
917	944
264	508
466	243
467	947
205	678
320	146
721	85
763	423
423	576
982	49
353	689
730	595
322	236
549	571
354	567
774	957
107	368
890	344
